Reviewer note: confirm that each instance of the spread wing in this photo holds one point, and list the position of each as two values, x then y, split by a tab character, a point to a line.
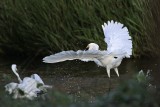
89	55
117	38
37	78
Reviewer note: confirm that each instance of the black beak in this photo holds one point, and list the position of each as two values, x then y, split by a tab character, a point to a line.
86	48
115	57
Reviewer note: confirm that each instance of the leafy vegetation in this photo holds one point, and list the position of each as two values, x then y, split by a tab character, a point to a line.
34	27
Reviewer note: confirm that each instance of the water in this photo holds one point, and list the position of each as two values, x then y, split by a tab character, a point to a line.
80	79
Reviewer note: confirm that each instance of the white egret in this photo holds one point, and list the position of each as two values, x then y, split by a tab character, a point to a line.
29	87
119	46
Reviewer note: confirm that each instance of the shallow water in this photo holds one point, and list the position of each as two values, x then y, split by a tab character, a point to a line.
80	79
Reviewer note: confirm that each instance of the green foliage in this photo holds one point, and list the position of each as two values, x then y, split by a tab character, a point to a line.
41	26
141	77
129	94
132	93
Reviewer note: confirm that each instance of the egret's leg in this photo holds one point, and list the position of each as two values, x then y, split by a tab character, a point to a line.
116	70
108	71
109	84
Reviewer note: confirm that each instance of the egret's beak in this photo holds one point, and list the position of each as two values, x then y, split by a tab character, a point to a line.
87	48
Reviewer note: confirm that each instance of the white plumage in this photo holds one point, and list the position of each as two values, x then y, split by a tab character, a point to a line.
14	69
117	38
29	87
119	45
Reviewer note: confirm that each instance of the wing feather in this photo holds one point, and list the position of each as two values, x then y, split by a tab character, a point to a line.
117	38
72	55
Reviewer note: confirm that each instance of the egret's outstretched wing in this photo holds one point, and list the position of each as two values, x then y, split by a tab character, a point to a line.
37	78
117	38
71	55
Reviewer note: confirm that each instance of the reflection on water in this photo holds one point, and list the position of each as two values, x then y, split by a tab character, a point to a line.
78	78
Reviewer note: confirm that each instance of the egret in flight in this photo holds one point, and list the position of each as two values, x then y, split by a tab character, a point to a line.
119	46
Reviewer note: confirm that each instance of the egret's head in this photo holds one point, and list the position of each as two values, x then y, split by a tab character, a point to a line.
14	67
92	46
